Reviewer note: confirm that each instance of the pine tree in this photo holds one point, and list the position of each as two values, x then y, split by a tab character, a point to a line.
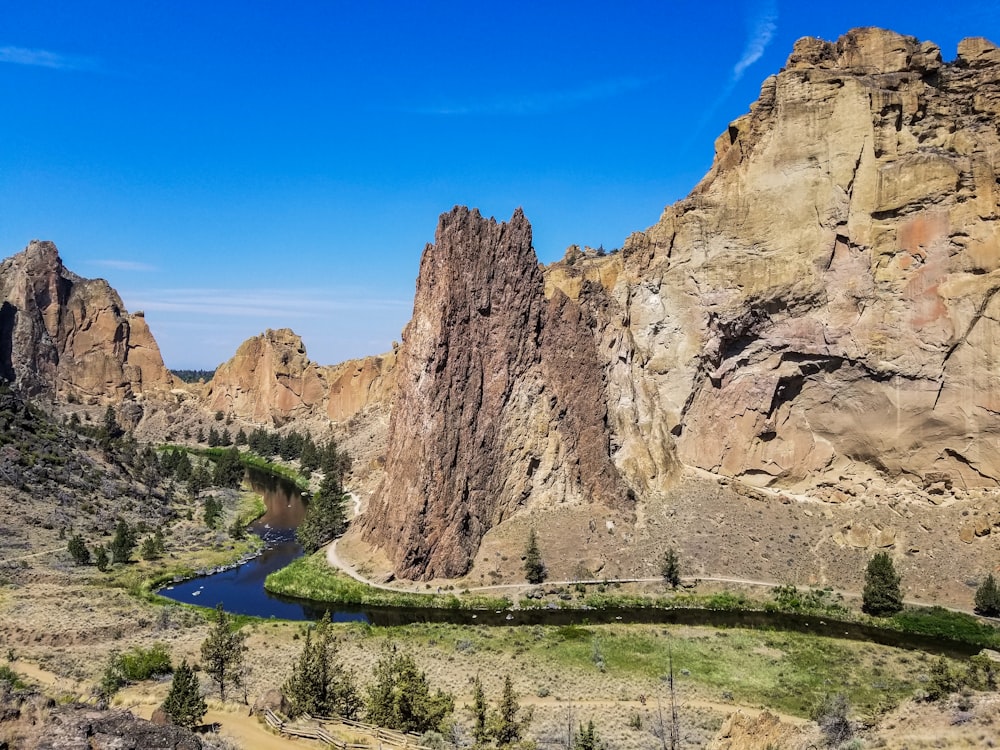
326	514
78	550
534	568
881	596
670	569
184	703
229	470
222	652
508	723
988	598
309	457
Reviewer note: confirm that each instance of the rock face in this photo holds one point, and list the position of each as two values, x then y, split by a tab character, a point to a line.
499	399
71	337
270	379
357	384
824	303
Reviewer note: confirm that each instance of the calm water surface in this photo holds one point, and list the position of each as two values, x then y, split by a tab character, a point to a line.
241	590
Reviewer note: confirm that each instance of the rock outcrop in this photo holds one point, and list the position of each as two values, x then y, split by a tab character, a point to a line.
271	380
357	384
499	400
70	337
824	303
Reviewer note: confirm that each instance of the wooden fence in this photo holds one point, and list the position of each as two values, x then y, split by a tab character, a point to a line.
315	729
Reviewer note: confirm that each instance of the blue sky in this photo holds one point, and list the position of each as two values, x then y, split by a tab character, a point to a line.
235	166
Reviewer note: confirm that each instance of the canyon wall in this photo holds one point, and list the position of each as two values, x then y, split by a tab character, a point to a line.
823	304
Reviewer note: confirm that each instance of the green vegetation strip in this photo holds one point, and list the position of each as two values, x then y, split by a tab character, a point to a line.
787	671
247	459
312	578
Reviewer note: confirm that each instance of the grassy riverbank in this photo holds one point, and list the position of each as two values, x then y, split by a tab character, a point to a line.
140	578
312	578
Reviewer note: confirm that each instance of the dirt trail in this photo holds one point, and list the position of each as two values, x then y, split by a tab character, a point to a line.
238	725
35	554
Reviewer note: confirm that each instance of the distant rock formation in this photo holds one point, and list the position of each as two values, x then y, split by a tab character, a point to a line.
269	377
271	380
70	337
499	399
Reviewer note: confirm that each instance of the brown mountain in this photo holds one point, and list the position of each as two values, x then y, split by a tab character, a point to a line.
271	380
70	337
820	312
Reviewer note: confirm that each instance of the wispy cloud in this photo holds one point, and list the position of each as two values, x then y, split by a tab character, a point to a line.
538	102
764	24
124	265
43	58
274	304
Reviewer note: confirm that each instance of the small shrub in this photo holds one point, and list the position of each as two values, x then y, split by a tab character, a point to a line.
831	715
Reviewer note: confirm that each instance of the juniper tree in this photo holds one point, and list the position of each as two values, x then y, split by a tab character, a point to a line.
123	542
988	598
78	550
670	568
534	568
587	738
508	723
222	652
479	710
101	557
184	703
881	596
319	683
400	697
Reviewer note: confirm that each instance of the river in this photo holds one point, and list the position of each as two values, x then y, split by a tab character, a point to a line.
240	590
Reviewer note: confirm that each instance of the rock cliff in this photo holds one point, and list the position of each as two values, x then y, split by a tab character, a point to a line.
824	303
71	337
499	400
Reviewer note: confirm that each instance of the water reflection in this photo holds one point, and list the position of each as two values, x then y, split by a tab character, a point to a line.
241	590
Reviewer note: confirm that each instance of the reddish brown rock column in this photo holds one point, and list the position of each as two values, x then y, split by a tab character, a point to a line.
475	426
